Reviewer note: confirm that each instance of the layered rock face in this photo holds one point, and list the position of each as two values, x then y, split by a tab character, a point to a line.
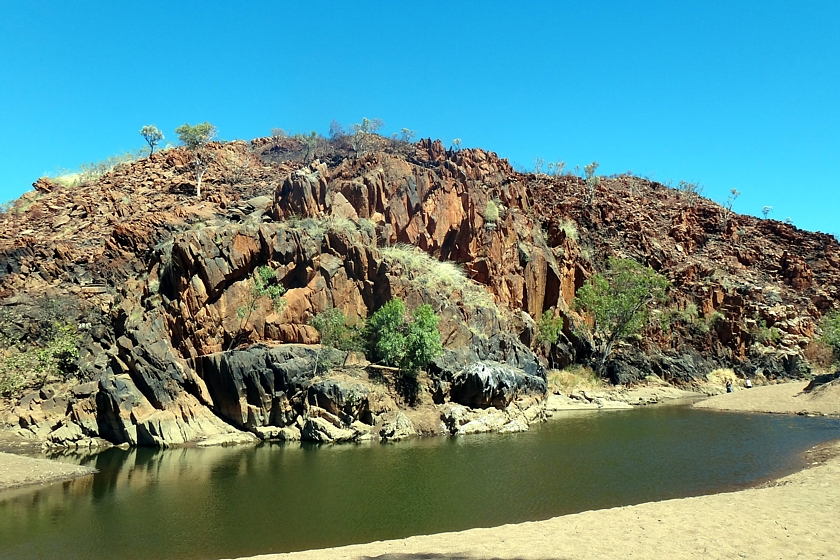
746	279
173	373
179	349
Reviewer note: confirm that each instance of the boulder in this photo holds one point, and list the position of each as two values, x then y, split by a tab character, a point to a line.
322	431
395	426
484	384
250	388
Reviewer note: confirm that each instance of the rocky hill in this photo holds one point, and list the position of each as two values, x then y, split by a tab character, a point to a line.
154	281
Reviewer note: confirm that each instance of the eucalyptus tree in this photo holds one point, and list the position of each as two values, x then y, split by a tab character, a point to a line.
196	138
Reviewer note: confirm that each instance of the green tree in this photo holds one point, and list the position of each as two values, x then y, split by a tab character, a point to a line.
264	284
830	326
422	340
335	336
619	302
31	366
396	340
591	180
549	329
196	138
152	135
363	133
310	143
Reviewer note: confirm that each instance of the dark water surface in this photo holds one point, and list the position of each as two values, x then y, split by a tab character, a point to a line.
227	502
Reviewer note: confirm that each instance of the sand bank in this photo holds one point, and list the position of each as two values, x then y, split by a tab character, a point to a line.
17	470
784	398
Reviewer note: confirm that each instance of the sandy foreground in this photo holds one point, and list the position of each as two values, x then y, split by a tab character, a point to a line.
17	470
793	517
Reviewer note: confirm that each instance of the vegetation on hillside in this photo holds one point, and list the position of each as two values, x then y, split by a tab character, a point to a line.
409	342
618	302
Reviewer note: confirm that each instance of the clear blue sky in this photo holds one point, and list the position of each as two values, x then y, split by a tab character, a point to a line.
728	94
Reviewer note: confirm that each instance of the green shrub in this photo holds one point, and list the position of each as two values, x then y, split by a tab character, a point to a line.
330	325
395	340
569	227
92	171
688	316
619	302
367	227
764	334
830	336
32	367
549	327
266	284
313	227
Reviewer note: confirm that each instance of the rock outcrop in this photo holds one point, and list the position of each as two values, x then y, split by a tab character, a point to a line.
175	347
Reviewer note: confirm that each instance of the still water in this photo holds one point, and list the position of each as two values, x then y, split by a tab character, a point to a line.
228	502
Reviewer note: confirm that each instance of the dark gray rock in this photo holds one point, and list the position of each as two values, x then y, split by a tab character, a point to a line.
345	399
501	347
630	365
773	364
257	386
485	384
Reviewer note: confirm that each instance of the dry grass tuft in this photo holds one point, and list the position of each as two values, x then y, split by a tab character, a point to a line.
437	276
573	378
721	376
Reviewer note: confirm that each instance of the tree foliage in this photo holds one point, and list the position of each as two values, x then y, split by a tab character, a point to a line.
196	138
264	284
331	326
549	328
310	144
363	135
591	180
152	135
830	326
619	301
409	343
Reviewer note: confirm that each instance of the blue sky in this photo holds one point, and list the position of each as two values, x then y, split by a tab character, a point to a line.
728	94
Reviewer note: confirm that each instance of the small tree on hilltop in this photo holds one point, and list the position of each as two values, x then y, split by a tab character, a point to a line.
363	134
152	135
619	302
196	138
310	144
336	130
591	180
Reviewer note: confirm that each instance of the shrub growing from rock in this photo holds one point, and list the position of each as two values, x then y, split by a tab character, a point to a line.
335	337
830	326
618	301
396	339
33	366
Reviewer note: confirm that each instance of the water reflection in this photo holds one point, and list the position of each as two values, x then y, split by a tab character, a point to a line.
222	502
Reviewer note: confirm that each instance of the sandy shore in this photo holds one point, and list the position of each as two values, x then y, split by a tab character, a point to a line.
17	470
784	398
793	517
